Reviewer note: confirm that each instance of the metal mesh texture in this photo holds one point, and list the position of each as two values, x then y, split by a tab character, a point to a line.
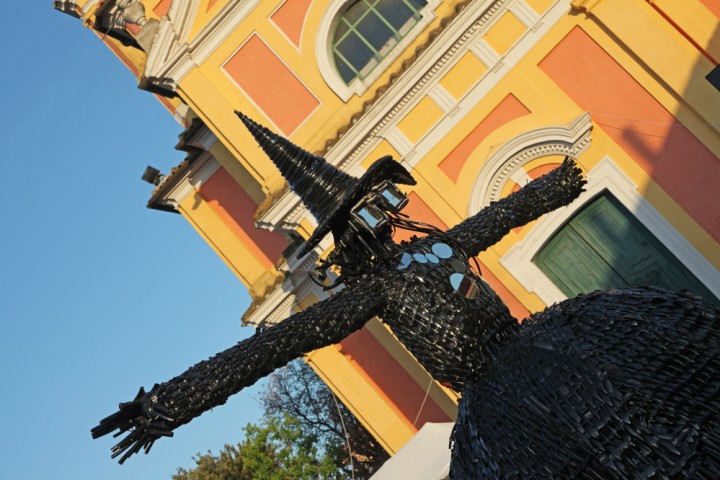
324	189
319	184
448	334
211	382
613	384
609	385
543	195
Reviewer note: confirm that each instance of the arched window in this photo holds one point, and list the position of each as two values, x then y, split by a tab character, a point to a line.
368	30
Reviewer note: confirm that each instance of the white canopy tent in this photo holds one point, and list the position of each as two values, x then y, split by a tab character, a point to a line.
425	457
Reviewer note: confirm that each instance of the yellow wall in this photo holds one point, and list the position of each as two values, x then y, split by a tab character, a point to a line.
633	32
638	32
213	95
237	256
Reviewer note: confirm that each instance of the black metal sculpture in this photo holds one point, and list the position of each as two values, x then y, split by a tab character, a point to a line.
611	384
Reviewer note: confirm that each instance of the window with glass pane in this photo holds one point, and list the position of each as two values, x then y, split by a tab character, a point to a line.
368	30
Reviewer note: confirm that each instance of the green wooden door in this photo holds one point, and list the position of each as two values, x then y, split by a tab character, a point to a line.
605	246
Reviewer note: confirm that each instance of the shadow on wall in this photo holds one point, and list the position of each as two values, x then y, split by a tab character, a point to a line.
608	248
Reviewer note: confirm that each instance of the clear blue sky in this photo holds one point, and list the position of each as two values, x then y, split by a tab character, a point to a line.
98	294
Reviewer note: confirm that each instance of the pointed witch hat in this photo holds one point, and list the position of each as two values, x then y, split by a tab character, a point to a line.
326	191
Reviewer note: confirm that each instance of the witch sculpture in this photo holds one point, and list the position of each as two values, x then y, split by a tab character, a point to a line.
616	384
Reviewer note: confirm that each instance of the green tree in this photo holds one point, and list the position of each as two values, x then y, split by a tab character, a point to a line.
297	391
275	449
305	433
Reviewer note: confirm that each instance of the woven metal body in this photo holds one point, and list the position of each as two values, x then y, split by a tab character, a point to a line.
586	387
449	334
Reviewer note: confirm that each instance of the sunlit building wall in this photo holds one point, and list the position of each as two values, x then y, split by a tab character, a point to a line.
476	97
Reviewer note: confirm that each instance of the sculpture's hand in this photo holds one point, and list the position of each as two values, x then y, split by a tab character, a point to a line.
545	194
146	419
211	382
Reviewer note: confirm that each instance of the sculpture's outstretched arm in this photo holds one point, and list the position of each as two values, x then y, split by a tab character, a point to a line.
211	382
545	194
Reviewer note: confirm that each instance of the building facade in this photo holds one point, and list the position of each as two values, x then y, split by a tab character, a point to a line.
476	98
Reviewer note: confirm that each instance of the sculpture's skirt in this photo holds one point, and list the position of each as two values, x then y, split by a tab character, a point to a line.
616	384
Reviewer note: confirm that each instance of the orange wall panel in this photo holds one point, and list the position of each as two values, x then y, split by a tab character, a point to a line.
639	124
421	212
290	18
507	110
713	6
237	209
390	379
271	85
162	7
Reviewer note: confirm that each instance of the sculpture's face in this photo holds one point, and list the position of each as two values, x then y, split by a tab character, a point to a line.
363	235
371	213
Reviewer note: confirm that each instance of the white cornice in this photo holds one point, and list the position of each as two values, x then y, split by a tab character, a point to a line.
204	138
278	305
285	214
86	8
198	173
525	14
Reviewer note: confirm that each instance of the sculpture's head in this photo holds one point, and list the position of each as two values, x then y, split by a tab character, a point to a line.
355	210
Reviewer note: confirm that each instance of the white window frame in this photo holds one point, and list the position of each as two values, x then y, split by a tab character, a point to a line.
324	53
606	175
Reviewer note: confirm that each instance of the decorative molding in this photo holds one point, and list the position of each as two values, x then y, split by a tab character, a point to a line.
324	54
571	140
197	174
276	308
463	34
442	98
399	141
278	305
520	176
171	57
68	7
285	214
89	5
197	167
605	176
485	53
204	138
466	30
524	13
185	16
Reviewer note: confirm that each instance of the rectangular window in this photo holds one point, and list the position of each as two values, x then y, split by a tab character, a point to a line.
604	246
